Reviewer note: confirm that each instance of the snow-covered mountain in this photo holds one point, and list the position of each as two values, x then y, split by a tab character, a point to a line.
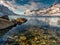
5	11
53	10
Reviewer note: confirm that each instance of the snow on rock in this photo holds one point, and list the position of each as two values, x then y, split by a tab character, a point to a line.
54	10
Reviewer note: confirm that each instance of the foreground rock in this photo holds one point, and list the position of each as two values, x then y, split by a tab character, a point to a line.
5	23
4	17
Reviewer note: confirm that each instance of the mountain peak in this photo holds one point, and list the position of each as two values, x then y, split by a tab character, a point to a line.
52	10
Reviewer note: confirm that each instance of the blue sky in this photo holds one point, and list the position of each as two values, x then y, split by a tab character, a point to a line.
22	2
22	5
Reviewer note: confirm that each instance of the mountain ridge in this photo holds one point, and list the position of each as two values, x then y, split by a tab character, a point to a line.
5	11
53	10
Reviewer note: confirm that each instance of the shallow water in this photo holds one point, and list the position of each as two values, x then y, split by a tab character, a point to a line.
39	22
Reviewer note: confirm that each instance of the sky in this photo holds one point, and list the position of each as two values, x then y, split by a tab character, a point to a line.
20	6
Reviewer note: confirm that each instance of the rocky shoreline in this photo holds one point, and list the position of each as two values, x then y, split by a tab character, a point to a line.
6	25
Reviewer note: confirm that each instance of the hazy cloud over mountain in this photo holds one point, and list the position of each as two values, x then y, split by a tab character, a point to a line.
22	5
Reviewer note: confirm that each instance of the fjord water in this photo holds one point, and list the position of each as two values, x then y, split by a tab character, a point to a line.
44	22
51	20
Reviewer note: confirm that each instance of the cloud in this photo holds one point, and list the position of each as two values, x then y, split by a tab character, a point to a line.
13	6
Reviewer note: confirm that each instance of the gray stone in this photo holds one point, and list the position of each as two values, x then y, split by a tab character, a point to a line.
5	23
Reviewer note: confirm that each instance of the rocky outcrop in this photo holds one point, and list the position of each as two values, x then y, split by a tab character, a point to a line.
5	23
19	20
